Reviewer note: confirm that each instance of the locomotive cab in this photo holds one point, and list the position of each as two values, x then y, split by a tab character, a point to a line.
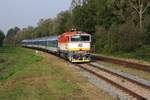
77	46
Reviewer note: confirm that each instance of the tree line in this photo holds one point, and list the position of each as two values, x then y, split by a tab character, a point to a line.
115	25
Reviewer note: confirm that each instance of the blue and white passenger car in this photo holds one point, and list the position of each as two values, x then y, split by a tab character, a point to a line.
47	43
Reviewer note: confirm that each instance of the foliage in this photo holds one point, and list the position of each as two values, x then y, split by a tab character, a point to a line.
10	37
2	36
118	28
63	21
119	38
87	20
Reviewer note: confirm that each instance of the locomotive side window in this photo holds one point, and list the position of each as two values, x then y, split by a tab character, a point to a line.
77	38
85	38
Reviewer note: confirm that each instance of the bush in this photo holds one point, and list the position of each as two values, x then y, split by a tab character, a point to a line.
2	36
123	37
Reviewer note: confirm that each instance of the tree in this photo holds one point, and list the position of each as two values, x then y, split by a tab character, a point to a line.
2	36
10	37
63	22
76	3
140	6
84	17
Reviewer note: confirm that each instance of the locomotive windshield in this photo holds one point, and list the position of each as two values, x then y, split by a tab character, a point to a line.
77	38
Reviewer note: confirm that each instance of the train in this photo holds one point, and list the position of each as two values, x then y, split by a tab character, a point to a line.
75	46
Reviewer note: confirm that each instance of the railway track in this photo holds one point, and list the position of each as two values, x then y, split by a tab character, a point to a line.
111	60
136	90
123	63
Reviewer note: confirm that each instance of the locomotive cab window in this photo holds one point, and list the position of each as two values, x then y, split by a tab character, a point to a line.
77	38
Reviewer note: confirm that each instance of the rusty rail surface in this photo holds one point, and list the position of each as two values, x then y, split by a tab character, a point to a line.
123	63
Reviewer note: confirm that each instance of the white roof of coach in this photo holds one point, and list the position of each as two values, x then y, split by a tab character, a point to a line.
49	38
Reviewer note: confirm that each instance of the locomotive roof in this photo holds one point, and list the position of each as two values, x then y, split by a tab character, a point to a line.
75	32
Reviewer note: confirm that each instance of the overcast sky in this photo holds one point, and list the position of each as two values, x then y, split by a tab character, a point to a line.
22	13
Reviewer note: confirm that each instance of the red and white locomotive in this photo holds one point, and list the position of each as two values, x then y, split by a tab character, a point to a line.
75	46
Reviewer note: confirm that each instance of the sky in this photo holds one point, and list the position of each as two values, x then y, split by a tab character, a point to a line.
23	13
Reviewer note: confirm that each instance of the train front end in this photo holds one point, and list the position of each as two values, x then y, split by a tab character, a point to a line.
76	47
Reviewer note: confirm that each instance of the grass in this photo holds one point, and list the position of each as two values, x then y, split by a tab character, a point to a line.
142	54
14	59
26	75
